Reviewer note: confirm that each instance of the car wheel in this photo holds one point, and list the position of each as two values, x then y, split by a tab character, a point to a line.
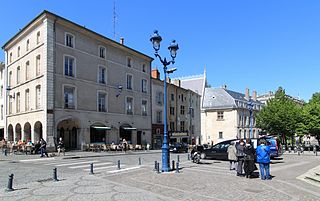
203	156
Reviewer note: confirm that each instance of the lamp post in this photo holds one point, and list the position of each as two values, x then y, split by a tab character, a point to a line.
156	39
250	108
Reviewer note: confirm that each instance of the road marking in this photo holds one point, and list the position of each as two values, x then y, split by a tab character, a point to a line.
37	159
101	168
123	170
278	168
95	164
68	164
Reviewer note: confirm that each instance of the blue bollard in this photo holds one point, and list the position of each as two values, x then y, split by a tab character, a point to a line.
55	177
91	168
10	181
118	164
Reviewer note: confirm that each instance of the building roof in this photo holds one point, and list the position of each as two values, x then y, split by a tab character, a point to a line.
45	12
195	83
221	98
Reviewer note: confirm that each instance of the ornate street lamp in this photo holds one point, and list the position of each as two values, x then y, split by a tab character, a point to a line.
156	39
250	108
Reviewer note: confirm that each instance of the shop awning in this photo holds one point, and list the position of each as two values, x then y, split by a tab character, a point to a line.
129	128
102	127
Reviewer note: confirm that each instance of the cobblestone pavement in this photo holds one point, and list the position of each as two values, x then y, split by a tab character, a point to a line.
211	180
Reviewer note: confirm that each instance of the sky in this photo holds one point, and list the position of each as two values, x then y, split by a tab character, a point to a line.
260	45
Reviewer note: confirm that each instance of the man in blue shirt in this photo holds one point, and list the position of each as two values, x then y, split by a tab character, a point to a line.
263	158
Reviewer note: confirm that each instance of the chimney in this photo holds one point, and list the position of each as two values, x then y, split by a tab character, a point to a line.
122	41
168	80
224	86
177	83
254	95
155	74
247	94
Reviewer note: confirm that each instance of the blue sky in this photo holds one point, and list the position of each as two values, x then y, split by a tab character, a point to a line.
259	45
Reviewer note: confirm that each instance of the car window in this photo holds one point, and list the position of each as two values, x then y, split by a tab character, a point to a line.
225	146
217	146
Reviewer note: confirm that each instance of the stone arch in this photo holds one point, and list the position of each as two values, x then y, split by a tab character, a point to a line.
10	133
27	131
38	132
18	132
67	129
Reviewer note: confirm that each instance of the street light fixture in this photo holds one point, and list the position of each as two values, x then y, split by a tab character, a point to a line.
250	108
156	39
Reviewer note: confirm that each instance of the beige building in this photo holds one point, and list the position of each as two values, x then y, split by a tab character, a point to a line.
270	95
2	115
64	80
225	115
183	112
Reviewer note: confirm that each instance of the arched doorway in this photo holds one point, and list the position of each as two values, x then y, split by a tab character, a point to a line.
37	131
10	133
18	132
67	130
27	131
126	132
98	133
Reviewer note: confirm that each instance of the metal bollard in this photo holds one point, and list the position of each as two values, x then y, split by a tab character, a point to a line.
10	181
178	158
188	157
139	161
314	149
91	168
158	168
298	152
55	177
118	164
177	169
309	149
5	152
155	165
172	164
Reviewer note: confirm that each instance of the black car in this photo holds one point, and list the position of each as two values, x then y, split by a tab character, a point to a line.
179	147
217	151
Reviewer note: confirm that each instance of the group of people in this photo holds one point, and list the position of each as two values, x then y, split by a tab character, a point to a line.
242	158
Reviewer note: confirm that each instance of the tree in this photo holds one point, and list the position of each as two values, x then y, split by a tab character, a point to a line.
280	116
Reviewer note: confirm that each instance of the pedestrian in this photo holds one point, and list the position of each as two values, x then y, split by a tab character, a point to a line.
4	147
240	157
263	158
37	147
124	144
232	155
43	148
60	147
249	165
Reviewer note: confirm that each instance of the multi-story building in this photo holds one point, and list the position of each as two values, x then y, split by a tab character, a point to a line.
225	115
270	95
183	112
64	80
2	71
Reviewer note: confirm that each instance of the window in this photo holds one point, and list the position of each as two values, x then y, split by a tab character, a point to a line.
10	78
182	123
159	98
144	68
172	97
144	86
158	131
220	135
129	81
18	74
69	66
159	117
27	100
69	98
172	126
102	102
102	75
10	104
129	105
38	71
182	97
38	97
220	115
129	62
1	112
18	103
182	110
245	121
1	91
38	37
18	53
27	70
69	40
245	134
28	45
144	108
1	74
171	110
10	60
102	52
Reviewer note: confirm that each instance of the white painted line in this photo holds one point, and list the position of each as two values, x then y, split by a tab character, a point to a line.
37	159
68	164
94	165
123	170
101	168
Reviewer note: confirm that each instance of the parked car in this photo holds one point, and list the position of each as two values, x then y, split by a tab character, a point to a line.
178	147
218	151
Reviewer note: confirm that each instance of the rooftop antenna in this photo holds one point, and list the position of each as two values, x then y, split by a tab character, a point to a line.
114	20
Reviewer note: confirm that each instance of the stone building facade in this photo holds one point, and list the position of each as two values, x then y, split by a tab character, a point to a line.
64	80
2	112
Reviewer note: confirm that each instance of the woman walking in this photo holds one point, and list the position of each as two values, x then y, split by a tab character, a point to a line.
232	157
